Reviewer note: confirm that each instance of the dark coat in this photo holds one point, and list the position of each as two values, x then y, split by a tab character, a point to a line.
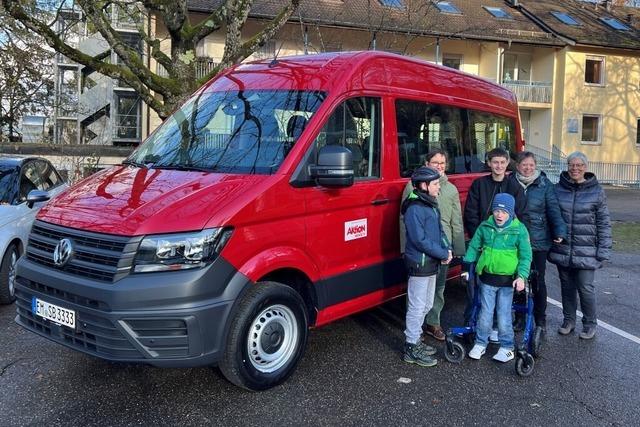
477	207
584	209
542	217
426	243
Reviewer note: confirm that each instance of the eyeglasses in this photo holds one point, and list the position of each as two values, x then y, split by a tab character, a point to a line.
438	163
576	165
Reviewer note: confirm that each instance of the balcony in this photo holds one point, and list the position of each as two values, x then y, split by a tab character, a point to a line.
204	66
531	92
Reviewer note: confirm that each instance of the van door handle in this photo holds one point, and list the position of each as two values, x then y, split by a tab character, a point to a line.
380	202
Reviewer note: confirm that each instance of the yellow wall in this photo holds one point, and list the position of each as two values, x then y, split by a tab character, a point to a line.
617	102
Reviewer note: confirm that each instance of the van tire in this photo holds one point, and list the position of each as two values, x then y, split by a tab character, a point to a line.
8	268
267	337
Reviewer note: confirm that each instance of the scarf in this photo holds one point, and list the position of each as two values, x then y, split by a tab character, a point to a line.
526	181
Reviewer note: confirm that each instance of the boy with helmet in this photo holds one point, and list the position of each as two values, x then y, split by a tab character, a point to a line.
426	248
502	251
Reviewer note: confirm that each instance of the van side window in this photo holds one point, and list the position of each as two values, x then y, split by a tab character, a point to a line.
466	135
355	124
423	127
489	131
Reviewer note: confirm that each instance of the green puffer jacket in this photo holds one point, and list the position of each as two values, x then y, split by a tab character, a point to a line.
503	251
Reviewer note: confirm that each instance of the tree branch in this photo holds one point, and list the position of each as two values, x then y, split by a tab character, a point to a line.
263	36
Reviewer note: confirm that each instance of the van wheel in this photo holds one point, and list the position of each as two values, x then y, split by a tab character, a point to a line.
267	337
8	275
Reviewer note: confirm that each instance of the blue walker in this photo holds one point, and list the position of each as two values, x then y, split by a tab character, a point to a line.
532	337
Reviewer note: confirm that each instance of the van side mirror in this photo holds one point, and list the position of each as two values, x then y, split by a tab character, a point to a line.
37	196
334	167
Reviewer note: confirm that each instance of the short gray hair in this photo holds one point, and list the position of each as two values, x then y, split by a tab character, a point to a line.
580	156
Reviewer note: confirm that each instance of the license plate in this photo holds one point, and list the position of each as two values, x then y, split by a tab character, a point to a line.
56	314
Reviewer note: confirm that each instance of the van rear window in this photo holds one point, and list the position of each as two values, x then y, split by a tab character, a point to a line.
244	132
465	135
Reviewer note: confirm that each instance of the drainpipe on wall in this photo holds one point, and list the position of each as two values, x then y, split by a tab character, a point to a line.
499	65
437	50
305	38
373	41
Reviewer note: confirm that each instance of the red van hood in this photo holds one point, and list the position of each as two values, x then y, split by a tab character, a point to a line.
134	201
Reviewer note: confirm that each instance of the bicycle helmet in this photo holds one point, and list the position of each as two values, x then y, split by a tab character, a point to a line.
424	174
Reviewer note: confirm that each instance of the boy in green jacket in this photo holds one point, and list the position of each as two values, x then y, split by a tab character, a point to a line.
502	253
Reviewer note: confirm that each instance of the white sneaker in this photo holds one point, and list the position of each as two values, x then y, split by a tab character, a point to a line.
477	351
493	336
503	355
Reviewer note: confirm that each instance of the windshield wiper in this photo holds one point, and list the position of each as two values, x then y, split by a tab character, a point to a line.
134	163
181	168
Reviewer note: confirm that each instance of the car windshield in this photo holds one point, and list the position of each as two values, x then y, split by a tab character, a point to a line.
243	131
8	178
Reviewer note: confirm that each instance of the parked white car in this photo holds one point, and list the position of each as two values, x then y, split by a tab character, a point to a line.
19	176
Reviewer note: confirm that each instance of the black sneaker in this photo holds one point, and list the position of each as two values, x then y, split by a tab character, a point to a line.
417	353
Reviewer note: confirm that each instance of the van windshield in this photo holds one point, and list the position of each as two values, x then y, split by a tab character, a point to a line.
244	132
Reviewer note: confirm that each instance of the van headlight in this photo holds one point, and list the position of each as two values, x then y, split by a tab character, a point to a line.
169	252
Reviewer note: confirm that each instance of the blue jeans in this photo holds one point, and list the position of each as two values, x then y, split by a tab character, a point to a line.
498	299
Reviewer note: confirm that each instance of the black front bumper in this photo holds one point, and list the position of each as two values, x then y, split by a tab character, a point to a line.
170	319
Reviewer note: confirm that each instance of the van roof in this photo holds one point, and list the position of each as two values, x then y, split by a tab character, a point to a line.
363	71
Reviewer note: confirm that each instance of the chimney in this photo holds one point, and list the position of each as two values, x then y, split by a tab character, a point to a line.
630	18
607	4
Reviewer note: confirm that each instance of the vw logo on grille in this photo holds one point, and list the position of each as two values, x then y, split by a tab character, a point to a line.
63	252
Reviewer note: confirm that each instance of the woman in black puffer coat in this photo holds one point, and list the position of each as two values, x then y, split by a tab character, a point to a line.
544	222
584	209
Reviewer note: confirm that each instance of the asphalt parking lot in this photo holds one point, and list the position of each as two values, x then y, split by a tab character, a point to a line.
352	374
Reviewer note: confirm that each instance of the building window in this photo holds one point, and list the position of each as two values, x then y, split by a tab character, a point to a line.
590	129
127	116
66	131
498	12
516	67
447	7
615	24
565	18
594	70
452	61
68	92
396	4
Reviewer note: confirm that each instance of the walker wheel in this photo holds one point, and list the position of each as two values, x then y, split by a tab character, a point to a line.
525	365
454	352
536	342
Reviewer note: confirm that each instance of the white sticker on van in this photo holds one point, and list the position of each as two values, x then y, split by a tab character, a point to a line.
355	229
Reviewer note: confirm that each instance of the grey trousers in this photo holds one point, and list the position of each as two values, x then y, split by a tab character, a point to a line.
574	282
420	294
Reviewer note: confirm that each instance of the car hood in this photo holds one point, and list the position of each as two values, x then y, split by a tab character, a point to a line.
130	201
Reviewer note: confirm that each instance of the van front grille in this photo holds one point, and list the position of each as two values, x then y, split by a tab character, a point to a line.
102	257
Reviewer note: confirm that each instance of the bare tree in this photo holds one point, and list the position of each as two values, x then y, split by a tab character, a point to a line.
228	16
26	75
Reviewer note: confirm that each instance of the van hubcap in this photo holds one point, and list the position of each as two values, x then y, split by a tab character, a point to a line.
12	273
273	338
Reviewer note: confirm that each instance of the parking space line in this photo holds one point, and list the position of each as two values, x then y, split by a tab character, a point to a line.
605	325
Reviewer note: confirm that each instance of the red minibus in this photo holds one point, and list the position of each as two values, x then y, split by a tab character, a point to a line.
267	204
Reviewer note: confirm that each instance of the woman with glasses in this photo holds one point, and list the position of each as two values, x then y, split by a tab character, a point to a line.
584	209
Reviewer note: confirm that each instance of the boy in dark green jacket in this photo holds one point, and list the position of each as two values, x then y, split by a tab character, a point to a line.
502	253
